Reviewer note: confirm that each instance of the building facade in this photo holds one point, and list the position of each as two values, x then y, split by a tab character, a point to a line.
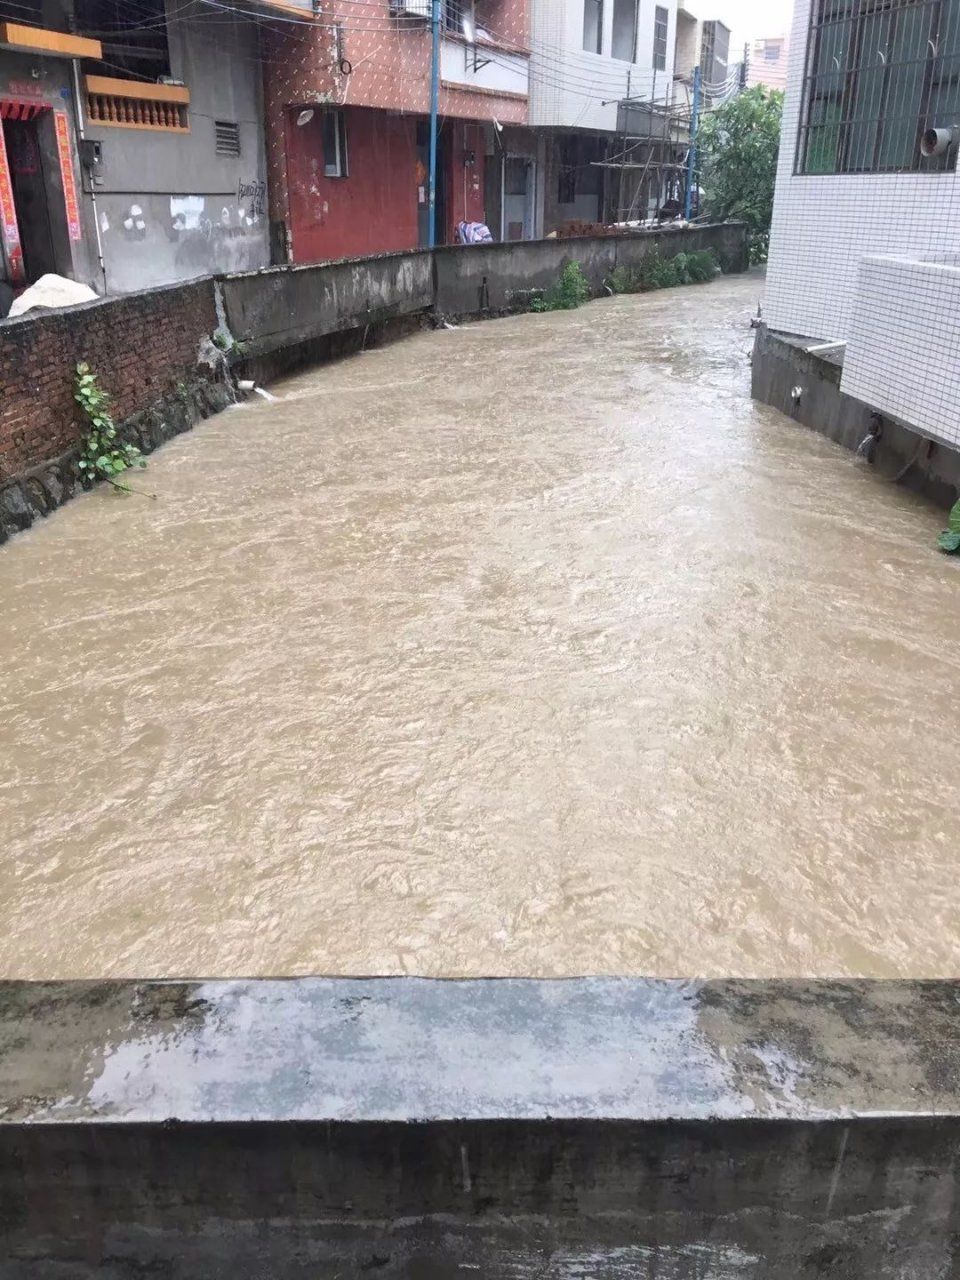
865	242
347	119
42	220
768	62
589	57
133	143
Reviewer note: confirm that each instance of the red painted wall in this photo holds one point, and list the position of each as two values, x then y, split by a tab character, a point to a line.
380	62
374	208
465	181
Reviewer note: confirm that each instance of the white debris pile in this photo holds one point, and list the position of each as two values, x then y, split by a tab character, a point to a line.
52	291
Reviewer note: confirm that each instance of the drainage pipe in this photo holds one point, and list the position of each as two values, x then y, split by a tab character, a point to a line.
78	114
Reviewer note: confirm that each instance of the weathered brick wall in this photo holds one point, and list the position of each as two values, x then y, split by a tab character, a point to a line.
141	346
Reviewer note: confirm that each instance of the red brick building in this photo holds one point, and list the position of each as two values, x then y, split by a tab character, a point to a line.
347	102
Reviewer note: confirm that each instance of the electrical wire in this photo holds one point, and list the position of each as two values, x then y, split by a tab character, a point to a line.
584	85
585	82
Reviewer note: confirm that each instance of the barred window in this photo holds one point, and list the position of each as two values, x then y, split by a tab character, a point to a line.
661	23
879	73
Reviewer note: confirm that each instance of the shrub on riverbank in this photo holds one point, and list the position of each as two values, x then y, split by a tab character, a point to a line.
657	272
570	291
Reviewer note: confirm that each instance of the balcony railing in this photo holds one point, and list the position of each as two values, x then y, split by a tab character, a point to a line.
132	104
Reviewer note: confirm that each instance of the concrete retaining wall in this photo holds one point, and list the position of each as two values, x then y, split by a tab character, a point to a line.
499	277
281	308
781	363
284	306
614	1128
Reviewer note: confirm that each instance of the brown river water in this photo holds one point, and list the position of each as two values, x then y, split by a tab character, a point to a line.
529	648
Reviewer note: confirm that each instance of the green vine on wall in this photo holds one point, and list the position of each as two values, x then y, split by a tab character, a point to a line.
102	455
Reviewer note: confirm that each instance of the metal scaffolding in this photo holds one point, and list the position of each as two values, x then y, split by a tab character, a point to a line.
655	159
647	168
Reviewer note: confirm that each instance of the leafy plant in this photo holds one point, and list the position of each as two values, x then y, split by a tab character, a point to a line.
701	266
227	343
624	280
695	267
738	145
102	455
654	272
570	291
949	540
573	289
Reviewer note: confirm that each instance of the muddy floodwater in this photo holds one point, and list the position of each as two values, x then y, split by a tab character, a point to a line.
532	647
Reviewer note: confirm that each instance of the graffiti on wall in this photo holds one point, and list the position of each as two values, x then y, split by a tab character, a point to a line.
157	238
253	196
214	237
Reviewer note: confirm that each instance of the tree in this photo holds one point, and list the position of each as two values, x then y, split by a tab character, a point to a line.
738	144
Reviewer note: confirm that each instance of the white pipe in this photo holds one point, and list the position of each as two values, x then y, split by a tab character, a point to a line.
78	113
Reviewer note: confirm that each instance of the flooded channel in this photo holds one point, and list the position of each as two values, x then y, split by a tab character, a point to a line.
532	647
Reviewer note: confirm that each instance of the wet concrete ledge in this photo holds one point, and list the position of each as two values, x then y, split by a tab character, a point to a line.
416	1128
781	362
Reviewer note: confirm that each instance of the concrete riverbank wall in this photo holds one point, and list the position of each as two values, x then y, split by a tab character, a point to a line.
163	354
508	1128
805	385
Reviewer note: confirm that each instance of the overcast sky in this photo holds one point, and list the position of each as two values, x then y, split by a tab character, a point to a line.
747	19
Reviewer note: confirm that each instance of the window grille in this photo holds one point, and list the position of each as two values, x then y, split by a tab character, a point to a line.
879	72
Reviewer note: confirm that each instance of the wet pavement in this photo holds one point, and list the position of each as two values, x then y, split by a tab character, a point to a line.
530	648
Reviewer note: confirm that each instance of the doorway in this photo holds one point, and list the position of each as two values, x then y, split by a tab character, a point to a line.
518	198
30	182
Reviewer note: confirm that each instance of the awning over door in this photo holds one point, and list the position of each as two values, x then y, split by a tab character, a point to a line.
12	109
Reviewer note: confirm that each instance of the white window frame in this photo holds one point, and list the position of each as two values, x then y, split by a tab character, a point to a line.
337	168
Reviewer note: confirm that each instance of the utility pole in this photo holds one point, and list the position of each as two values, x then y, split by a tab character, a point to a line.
434	110
692	152
625	108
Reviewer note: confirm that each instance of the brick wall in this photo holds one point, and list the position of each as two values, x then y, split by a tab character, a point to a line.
140	345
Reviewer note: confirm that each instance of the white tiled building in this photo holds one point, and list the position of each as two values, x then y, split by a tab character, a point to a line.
865	244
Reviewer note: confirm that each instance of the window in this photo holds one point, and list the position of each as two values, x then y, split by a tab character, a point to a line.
334	145
624	43
879	72
134	37
661	22
458	16
227	134
714	51
771	53
593	26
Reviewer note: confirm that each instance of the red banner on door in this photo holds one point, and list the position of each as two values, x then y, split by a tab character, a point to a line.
9	230
66	175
